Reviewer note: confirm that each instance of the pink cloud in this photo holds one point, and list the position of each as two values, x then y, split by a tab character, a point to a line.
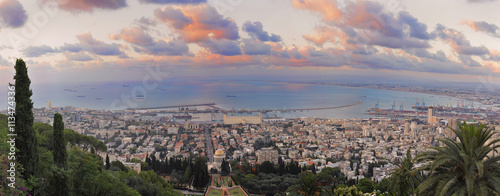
196	23
133	35
328	8
322	34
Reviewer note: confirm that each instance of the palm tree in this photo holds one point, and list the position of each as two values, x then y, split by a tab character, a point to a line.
405	179
462	167
307	185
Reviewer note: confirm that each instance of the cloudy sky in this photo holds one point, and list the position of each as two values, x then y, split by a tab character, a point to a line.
66	41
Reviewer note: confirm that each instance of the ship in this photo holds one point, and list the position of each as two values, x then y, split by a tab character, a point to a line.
139	96
230	95
182	116
98	98
126	85
424	108
81	96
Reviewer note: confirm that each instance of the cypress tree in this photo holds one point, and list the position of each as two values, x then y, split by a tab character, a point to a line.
26	141
60	155
107	162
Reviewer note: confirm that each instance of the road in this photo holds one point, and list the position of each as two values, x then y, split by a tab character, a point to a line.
210	150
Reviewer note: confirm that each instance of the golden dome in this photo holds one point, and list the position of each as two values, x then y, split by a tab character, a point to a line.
219	153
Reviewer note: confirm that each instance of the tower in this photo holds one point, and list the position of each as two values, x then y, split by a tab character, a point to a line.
431	119
49	105
407	127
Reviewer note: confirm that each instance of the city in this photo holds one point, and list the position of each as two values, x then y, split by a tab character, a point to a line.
359	148
249	97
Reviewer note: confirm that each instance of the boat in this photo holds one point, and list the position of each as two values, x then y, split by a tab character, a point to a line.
182	117
139	96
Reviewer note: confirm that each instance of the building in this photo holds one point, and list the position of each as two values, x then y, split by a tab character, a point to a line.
407	127
133	166
431	116
172	130
237	154
49	105
219	156
267	154
234	120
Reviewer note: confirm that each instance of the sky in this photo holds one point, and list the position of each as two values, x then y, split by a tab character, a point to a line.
75	41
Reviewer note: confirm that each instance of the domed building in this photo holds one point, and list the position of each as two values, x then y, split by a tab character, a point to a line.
219	156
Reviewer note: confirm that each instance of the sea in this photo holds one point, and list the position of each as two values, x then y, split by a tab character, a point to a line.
235	95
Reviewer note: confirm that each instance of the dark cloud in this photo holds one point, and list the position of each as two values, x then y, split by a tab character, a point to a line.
78	57
174	1
70	48
174	16
458	41
12	13
296	54
223	47
417	29
423	53
145	22
467	60
146	44
88	5
481	26
36	51
88	43
256	30
171	48
255	47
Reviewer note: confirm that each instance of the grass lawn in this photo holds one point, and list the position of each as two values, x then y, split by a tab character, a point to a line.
236	192
215	192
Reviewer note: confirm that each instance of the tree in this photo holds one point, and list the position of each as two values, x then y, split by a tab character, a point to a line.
60	154
26	141
187	174
463	167
307	185
200	172
366	185
266	167
347	191
107	162
225	169
405	179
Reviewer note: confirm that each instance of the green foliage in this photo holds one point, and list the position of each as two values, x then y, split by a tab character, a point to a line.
107	162
307	185
463	167
187	174
59	152
26	141
347	191
225	169
200	172
405	179
75	138
366	185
